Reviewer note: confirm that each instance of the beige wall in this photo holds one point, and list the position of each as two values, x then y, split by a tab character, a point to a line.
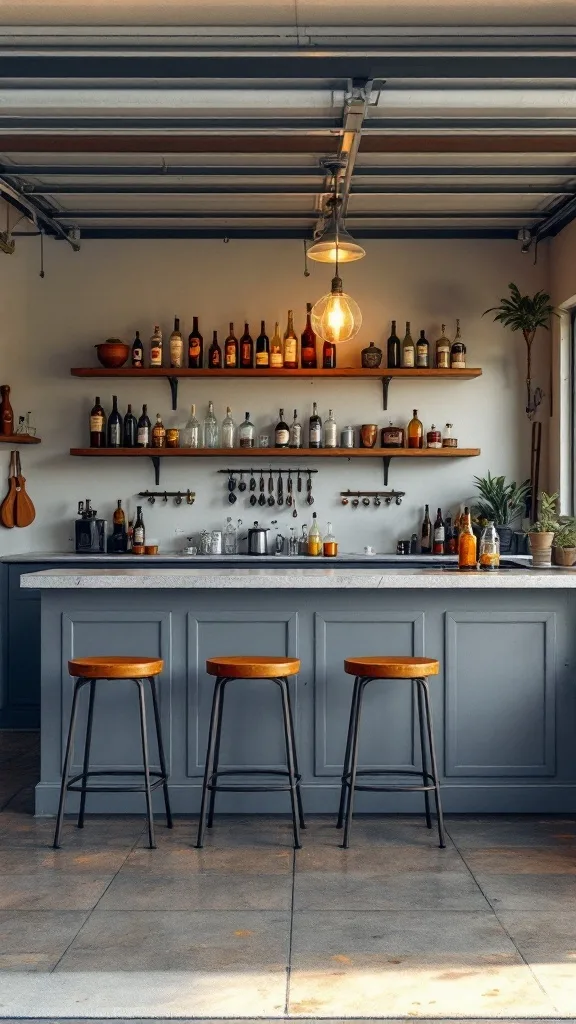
563	293
112	288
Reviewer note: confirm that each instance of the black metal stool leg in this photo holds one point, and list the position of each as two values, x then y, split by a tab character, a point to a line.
161	756
295	753
212	800
354	761
283	684
145	759
346	765
209	760
87	744
433	763
67	761
425	779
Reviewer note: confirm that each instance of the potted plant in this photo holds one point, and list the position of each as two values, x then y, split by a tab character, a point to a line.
564	543
525	313
541	533
501	503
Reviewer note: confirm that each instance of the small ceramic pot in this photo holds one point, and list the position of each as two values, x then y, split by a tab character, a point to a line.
564	556
368	435
541	548
112	353
371	357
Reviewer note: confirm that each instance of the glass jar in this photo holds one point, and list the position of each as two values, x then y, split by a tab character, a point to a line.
205	543
489	548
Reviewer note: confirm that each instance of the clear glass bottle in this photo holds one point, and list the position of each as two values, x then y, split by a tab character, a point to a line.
443	351
415	432
211	432
176	346
158	433
293	542
191	435
489	548
330	431
276	350
458	351
228	430
448	440
408	350
156	347
329	544
230	537
246	433
314	537
295	432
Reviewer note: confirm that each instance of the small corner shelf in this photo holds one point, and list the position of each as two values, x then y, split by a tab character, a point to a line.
17	439
382	374
269	454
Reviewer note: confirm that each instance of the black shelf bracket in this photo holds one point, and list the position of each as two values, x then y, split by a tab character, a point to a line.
173	382
155	459
386	464
385	386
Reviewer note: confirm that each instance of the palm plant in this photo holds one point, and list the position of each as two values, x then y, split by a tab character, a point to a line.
525	313
500	502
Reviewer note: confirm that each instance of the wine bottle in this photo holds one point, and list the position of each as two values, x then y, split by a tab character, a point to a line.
130	429
156	347
290	344
139	534
143	439
276	350
231	350
215	353
415	432
422	352
426	534
281	433
328	356
262	348
315	428
195	347
246	350
176	346
158	433
119	539
439	534
308	343
393	348
443	351
408	354
458	351
97	426
137	352
114	431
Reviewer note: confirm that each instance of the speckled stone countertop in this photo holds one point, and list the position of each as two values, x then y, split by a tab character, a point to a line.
270	578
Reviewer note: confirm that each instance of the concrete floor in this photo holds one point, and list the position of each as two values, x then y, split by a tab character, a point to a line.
392	929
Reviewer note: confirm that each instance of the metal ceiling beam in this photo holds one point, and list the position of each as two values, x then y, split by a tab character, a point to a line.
296	233
356	102
278	171
284	215
561	216
290	190
37	213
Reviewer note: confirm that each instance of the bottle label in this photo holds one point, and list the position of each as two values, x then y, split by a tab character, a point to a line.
315	433
137	357
296	436
143	436
449	442
115	436
231	358
246	352
408	357
330	437
97	423
262	359
138	538
458	362
276	361
282	437
176	353
194	348
290	350
421	355
439	535
246	442
155	356
443	359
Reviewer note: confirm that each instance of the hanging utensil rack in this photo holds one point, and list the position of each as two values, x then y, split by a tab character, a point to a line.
250	472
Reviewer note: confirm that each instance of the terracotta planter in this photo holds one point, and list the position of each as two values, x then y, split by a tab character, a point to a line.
541	548
564	556
112	353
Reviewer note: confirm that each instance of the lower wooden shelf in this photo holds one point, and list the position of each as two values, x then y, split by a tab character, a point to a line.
17	439
270	454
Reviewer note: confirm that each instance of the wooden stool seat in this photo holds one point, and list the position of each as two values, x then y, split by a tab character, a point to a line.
392	668
252	667
115	667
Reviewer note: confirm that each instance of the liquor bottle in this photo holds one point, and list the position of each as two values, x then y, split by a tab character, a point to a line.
466	544
458	351
158	433
118	540
143	438
130	429
211	434
139	534
447	440
215	353
6	412
97	425
426	533
303	541
176	346
231	350
276	350
281	433
329	544
308	343
415	432
192	434
408	348
228	430
443	351
137	352
328	356
290	344
439	546
315	429
314	537
262	348
433	438
393	348
114	430
246	350
156	347
422	352
295	432
195	347
129	535
330	431
246	433
451	545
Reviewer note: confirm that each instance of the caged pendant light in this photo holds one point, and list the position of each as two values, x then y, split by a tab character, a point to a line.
335	244
336	317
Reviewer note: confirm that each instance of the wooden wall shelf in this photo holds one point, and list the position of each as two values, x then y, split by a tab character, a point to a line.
347	372
17	439
271	454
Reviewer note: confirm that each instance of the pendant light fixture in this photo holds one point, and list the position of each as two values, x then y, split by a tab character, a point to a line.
335	244
336	317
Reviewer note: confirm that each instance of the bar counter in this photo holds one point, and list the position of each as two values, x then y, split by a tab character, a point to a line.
504	703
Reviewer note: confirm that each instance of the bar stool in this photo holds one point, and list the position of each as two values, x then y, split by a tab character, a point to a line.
276	670
88	671
369	670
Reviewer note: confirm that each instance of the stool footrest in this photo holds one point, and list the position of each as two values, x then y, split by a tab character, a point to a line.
160	779
216	787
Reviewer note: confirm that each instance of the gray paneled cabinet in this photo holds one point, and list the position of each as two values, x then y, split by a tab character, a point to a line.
504	703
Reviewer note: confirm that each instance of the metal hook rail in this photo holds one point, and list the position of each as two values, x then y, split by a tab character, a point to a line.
250	472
